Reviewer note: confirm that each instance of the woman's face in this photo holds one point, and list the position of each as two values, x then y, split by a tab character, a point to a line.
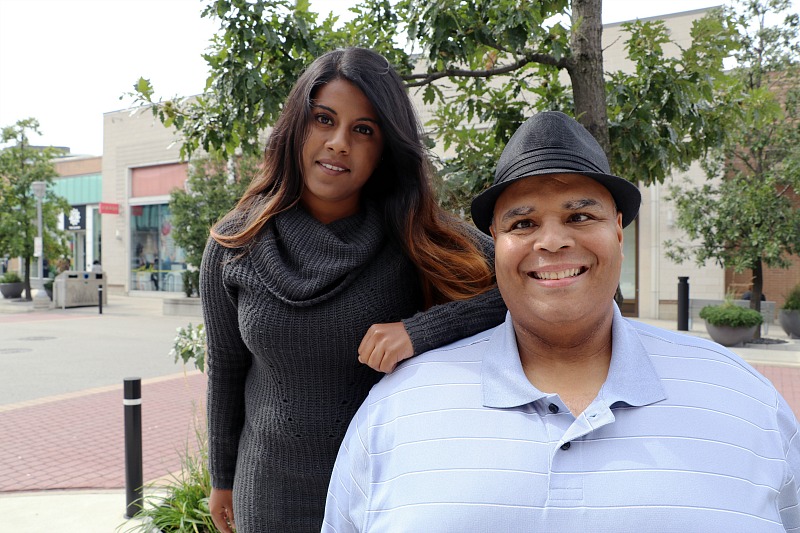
343	148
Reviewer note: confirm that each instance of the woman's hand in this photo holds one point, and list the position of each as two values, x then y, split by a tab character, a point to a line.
385	345
220	503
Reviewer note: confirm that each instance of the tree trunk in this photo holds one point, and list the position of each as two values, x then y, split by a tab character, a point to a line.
585	69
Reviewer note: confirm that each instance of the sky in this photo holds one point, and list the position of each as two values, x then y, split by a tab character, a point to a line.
67	62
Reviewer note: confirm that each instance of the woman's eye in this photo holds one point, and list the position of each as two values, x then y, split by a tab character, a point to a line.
323	119
365	130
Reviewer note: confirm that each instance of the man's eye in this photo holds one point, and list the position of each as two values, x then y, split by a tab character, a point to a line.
365	130
580	217
522	224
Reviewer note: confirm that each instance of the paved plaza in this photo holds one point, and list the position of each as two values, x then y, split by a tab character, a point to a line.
61	411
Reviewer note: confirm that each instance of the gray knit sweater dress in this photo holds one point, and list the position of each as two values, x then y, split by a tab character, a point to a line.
284	320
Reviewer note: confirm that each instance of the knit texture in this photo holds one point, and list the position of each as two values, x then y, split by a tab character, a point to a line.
283	322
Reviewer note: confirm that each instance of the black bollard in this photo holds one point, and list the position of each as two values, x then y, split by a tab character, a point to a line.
134	491
100	297
683	303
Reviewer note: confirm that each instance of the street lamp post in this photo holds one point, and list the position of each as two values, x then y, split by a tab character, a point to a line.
40	299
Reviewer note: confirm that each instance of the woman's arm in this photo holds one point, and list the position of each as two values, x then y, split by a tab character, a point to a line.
385	345
228	361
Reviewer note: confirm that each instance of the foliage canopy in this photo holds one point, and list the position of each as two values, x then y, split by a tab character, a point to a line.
482	66
20	166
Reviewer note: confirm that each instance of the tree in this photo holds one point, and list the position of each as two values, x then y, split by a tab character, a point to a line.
213	188
749	217
20	165
487	64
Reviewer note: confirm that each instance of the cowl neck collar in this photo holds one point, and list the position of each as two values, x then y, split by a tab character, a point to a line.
303	261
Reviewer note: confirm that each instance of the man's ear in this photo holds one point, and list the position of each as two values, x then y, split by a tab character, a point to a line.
620	232
491	230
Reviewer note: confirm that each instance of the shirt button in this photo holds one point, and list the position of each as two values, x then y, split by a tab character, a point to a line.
565	446
553	408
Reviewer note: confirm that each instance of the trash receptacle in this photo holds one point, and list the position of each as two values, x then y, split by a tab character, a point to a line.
78	289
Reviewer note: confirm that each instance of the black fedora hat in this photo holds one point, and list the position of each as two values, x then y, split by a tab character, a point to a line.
554	143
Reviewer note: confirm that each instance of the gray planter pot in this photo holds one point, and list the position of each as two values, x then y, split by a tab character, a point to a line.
12	290
790	322
728	336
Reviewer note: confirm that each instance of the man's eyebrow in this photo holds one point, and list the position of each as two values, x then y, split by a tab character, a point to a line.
331	111
518	212
583	203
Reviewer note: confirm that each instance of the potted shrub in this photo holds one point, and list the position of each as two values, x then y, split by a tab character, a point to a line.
11	285
728	324
789	314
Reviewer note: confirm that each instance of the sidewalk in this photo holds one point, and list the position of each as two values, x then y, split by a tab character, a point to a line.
61	413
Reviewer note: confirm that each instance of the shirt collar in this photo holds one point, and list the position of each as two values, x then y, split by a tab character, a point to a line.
632	379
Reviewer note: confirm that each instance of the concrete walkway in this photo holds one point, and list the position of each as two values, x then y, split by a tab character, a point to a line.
61	412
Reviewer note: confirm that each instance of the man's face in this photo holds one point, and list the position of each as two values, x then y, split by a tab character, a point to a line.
558	251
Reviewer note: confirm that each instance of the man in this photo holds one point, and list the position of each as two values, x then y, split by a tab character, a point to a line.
567	417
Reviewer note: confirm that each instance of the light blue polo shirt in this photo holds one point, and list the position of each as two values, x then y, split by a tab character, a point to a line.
684	436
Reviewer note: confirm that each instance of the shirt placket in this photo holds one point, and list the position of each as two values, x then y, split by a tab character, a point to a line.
565	436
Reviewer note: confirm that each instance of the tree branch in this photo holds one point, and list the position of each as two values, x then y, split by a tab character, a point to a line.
430	77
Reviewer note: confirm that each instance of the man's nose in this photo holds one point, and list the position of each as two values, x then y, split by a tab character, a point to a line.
552	236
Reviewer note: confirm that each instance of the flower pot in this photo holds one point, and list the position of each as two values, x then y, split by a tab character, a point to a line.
12	290
790	322
728	336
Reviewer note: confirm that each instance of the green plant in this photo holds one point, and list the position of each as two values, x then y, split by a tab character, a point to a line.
191	282
10	277
180	504
731	315
190	344
792	302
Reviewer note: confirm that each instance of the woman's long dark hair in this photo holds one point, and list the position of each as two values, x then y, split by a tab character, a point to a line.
449	262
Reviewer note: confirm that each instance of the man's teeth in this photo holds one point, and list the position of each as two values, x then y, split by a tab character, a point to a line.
570	272
337	169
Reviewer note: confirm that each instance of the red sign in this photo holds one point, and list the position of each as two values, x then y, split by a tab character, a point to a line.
109	209
137	210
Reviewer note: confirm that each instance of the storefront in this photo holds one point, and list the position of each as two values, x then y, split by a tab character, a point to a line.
156	262
80	183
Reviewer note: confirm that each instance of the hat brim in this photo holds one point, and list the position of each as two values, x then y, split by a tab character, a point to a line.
626	195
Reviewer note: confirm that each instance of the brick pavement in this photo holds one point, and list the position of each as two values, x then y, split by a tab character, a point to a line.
77	440
787	380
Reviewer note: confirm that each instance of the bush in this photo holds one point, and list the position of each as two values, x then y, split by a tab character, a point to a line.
731	315
191	282
10	277
792	302
190	343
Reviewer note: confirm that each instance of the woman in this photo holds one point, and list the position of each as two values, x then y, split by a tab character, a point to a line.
337	253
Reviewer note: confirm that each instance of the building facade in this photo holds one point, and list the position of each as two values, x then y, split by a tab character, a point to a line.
141	166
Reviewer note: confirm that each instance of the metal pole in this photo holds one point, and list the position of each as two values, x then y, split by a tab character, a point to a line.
134	491
40	301
100	298
41	237
683	303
